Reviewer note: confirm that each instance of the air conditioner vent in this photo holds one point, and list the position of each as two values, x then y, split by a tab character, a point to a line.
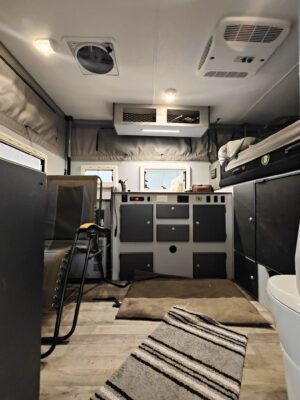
139	114
252	33
205	52
240	46
225	74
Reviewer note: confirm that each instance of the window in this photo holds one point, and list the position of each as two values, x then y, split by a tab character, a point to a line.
169	179
108	173
13	150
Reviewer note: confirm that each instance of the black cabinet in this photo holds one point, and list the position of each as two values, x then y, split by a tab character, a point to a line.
209	265
277	221
172	211
209	223
266	214
244	219
131	262
22	205
245	273
173	233
136	223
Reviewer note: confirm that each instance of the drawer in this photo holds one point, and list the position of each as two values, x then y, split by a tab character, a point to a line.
172	211
245	274
209	265
131	262
173	233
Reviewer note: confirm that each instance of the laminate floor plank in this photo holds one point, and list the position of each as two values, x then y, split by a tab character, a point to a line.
101	344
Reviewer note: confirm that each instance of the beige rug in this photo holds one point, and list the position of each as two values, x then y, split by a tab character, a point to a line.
220	299
189	356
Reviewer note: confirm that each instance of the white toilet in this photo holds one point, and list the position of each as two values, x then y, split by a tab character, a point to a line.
284	292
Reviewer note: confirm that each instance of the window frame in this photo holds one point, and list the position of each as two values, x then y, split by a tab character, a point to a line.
165	166
18	145
99	167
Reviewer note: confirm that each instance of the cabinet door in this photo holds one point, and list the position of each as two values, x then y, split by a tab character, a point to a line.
173	233
131	262
209	223
136	223
172	211
244	219
209	265
277	221
245	273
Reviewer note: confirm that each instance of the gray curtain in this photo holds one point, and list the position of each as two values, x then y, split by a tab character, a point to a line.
25	111
92	141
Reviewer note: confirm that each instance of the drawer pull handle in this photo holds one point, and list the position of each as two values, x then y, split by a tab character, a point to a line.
250	219
197	222
173	228
197	265
148	222
172	208
251	277
148	265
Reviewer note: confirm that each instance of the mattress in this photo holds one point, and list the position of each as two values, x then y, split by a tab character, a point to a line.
284	137
278	154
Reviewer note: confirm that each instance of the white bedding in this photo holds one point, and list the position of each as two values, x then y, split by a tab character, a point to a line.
279	139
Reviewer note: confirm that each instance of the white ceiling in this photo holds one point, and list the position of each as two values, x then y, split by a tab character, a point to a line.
158	45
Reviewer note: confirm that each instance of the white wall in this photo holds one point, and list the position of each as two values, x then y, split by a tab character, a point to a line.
131	170
55	163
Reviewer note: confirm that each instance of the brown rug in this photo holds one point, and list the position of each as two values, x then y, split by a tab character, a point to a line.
221	299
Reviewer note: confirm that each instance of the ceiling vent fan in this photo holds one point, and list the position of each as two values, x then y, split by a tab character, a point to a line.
94	56
240	46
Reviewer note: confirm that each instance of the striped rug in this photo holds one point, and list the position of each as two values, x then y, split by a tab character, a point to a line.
189	356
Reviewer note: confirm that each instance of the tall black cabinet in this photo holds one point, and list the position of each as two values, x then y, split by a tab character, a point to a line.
22	202
266	220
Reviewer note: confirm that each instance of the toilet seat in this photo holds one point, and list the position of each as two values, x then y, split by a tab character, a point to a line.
284	289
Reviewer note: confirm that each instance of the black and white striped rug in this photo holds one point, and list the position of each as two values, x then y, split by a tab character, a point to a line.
189	356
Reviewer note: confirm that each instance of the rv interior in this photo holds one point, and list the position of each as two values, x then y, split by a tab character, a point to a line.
149	200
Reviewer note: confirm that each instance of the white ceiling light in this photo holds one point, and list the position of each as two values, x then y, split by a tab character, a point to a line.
170	95
160	130
44	46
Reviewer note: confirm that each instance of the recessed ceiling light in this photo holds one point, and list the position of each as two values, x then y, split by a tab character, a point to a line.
160	130
170	95
44	46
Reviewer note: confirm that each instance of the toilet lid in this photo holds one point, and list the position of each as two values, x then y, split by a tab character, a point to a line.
284	289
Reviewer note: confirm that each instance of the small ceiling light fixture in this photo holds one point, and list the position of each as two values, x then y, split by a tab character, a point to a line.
44	46
170	95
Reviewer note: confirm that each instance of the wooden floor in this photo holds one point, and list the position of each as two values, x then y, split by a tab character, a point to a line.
100	344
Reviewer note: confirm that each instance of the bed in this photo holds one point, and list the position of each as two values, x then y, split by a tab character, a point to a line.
278	153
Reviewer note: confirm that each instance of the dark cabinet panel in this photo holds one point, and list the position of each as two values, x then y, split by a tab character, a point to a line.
131	262
209	265
173	233
209	223
245	273
277	221
22	205
244	219
136	222
172	211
